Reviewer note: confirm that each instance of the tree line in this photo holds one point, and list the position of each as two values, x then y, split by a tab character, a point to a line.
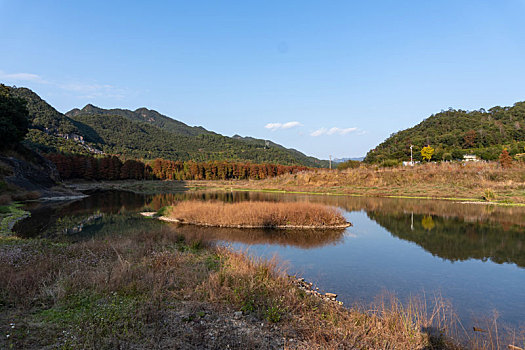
113	168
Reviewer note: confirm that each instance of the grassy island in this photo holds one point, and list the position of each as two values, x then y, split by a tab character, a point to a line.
258	214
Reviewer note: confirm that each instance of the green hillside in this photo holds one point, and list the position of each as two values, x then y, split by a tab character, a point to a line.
143	115
144	134
234	148
42	116
453	133
120	135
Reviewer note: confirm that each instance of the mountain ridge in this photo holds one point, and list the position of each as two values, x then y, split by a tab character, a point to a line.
143	114
143	133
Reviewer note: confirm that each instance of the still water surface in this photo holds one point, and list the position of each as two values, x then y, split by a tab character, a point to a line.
473	255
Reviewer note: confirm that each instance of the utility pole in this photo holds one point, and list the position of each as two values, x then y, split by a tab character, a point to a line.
411	161
330	162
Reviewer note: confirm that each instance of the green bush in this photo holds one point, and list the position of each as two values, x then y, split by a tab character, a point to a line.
349	164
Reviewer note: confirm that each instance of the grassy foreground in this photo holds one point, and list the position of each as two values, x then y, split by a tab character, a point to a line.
156	290
256	214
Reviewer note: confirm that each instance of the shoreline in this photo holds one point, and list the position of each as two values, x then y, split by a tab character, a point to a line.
229	291
252	297
278	227
176	186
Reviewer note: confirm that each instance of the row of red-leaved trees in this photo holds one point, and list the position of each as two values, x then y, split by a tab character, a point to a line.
112	168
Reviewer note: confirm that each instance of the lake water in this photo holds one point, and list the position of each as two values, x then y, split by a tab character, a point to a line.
473	255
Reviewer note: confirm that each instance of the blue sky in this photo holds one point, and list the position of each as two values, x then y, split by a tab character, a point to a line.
324	77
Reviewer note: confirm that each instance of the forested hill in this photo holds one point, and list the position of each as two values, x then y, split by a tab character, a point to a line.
453	133
143	115
42	116
144	134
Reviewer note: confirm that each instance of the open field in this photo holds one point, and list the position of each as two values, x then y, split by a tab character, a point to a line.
256	214
486	182
156	290
473	182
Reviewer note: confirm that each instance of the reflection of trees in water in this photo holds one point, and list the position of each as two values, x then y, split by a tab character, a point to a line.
468	212
82	226
427	222
500	228
455	239
297	238
115	224
161	200
51	219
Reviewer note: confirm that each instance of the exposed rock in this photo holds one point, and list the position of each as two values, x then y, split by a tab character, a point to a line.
309	288
29	171
148	214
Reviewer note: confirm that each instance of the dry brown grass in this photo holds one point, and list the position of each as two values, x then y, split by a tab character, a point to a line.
121	291
263	288
256	286
441	180
257	214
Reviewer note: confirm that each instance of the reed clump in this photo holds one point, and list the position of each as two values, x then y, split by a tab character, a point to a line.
258	214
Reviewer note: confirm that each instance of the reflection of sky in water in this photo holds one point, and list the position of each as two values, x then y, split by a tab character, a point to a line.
365	260
369	261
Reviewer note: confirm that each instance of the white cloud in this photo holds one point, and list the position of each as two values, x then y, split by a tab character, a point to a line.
85	87
22	77
319	132
91	91
287	125
79	89
332	131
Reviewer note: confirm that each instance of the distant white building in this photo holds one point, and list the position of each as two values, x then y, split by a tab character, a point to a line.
411	163
470	158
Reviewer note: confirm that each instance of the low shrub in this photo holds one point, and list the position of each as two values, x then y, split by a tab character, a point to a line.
25	196
349	164
5	199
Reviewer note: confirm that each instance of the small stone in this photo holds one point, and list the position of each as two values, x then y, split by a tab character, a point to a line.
331	295
237	314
